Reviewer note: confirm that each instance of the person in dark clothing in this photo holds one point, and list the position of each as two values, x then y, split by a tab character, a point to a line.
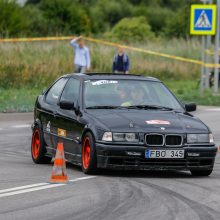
121	62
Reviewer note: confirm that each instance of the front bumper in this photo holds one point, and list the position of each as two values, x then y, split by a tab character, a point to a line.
133	158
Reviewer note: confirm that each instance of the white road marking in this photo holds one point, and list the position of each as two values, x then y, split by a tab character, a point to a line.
21	126
36	187
22	187
212	109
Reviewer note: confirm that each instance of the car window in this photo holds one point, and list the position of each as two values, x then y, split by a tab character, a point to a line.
163	96
120	92
55	91
71	91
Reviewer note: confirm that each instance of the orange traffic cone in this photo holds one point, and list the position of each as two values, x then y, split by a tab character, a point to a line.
59	168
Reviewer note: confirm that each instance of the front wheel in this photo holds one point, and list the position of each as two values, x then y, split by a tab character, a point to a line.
89	159
201	172
38	149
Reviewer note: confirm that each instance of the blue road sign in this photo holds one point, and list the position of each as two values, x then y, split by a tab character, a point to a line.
203	19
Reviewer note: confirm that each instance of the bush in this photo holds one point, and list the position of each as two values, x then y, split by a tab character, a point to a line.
12	19
133	29
178	24
156	16
65	16
38	24
105	14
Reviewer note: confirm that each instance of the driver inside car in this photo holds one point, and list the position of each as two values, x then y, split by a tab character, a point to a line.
136	97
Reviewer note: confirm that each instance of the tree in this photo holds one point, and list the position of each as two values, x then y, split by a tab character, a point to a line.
105	14
133	29
32	2
178	24
12	19
155	15
37	22
65	16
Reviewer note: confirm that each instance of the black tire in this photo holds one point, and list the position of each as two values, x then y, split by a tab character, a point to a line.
89	167
201	172
39	157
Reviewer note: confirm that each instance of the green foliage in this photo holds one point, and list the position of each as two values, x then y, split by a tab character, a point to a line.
107	13
38	24
12	19
33	2
68	17
18	100
178	24
65	17
156	16
133	29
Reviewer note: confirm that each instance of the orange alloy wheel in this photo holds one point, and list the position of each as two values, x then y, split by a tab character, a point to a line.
35	144
86	153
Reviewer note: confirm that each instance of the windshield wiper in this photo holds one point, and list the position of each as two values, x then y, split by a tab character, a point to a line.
103	107
164	108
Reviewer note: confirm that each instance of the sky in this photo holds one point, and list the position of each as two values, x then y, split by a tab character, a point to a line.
21	2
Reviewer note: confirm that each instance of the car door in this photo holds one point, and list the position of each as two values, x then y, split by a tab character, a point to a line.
69	126
48	113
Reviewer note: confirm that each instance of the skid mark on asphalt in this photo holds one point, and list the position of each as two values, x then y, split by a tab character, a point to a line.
203	211
36	187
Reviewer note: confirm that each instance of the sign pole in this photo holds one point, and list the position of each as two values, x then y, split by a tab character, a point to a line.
207	60
207	56
216	70
202	67
203	22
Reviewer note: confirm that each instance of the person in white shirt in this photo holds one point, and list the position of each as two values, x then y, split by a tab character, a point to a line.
82	56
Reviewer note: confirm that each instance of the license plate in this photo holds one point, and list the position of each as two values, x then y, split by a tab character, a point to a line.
164	153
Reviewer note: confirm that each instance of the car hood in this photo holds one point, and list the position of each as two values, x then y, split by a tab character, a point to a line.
148	121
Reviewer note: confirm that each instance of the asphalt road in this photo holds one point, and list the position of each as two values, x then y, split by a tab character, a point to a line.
25	193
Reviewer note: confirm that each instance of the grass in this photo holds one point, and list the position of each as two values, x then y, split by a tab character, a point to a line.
37	64
27	68
18	100
22	100
188	91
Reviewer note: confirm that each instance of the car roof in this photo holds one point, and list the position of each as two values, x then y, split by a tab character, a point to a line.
96	76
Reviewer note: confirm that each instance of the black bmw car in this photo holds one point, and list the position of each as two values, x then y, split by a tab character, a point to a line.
120	122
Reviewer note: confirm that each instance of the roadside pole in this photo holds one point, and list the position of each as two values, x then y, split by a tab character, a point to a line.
208	44
207	60
216	58
202	67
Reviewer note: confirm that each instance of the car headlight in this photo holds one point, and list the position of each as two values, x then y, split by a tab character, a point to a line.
120	137
200	138
211	138
107	136
125	137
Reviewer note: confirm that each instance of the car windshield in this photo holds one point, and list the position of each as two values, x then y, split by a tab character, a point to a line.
119	93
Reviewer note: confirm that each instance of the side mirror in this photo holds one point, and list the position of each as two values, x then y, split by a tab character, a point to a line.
66	105
191	107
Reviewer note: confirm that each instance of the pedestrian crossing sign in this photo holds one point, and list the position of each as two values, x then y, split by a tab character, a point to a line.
203	19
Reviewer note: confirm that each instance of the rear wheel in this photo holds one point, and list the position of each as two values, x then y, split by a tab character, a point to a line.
38	149
201	172
89	161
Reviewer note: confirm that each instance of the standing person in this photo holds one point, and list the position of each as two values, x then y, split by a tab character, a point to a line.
121	62
82	55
